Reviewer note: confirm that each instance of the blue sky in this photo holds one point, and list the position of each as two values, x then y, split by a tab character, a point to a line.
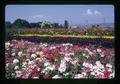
75	14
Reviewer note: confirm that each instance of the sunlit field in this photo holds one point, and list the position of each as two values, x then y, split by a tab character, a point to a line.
41	54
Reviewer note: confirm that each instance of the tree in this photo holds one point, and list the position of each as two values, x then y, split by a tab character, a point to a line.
8	24
66	24
20	23
55	25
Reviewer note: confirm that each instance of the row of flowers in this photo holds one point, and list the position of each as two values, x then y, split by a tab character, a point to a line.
106	42
63	31
32	60
77	36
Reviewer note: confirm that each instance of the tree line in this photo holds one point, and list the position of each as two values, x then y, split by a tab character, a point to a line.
20	23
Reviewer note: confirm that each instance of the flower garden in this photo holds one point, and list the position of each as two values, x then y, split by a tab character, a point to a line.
59	54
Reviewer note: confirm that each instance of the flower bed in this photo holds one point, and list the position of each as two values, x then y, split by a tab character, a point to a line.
32	60
97	41
62	31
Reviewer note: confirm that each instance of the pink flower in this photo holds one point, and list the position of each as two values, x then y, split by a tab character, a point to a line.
86	69
35	76
37	62
46	77
25	75
18	73
99	76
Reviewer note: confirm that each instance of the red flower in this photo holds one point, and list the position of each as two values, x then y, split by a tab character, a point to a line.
34	70
106	73
46	77
7	60
57	49
50	57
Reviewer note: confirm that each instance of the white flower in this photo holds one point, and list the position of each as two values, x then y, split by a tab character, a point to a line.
30	62
7	44
15	61
53	47
74	62
95	67
7	64
67	59
86	49
109	65
38	59
20	53
16	67
98	50
83	73
62	67
87	56
102	55
90	53
79	76
38	69
56	77
33	56
24	64
112	75
52	67
110	70
41	53
98	63
92	73
85	64
67	44
44	44
13	54
35	77
47	64
66	74
83	54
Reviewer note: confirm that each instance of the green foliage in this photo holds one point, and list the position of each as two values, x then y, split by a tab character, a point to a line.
20	23
8	24
33	25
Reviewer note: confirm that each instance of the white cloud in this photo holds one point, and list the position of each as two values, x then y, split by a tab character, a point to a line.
97	13
89	12
37	16
94	12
